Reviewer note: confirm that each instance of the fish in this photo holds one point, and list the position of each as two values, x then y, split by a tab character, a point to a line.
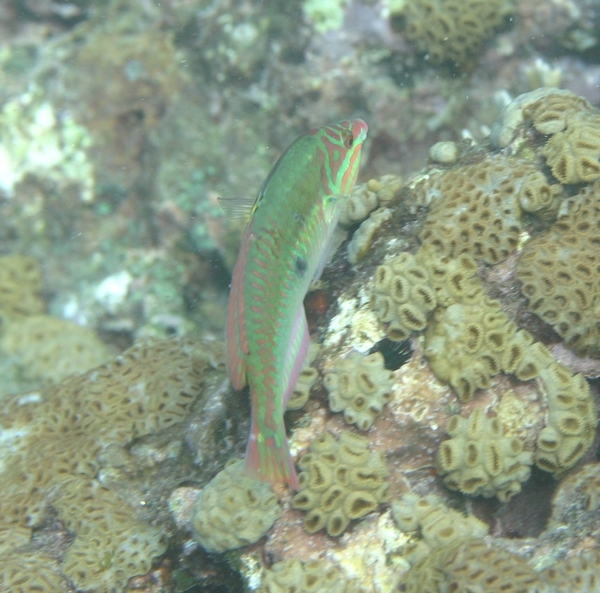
285	245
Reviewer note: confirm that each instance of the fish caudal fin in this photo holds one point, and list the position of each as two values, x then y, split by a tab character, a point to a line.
270	460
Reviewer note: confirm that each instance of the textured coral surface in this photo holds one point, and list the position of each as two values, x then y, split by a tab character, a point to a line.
58	450
456	328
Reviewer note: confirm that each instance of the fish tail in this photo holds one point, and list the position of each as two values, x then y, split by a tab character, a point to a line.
269	458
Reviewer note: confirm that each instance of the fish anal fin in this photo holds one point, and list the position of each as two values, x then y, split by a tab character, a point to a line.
237	343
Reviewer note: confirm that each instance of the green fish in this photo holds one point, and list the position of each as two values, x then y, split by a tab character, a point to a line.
284	249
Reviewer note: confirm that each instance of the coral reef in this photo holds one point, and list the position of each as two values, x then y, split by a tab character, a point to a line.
59	442
294	576
572	419
439	525
402	296
469	340
29	573
233	510
479	460
36	140
339	481
575	573
367	205
559	273
50	349
359	205
570	127
444	153
476	209
471	564
20	286
573	149
307	378
359	386
369	196
468	343
460	559
121	123
451	31
365	235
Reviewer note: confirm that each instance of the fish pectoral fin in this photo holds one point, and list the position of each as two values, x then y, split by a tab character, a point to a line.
238	210
333	240
296	354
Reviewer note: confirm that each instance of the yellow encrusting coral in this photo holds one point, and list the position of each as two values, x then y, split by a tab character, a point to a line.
112	544
479	460
572	419
403	296
575	574
573	149
445	152
340	481
294	576
30	573
366	197
50	348
471	565
468	344
366	205
560	273
469	340
307	378
570	125
359	386
453	30
452	555
233	510
476	209
439	525
52	455
366	233
468	563
21	286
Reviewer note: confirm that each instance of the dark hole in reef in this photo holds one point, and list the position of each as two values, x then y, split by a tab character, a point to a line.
527	513
395	354
201	572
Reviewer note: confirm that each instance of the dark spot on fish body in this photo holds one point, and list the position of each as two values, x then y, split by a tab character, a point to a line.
301	265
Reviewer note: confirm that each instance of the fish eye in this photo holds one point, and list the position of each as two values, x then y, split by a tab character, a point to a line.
350	141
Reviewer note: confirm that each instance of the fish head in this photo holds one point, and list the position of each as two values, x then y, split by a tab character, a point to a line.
340	148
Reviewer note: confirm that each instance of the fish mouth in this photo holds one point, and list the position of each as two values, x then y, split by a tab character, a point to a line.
359	129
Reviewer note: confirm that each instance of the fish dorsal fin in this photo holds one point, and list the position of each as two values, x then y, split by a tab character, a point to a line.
242	209
238	209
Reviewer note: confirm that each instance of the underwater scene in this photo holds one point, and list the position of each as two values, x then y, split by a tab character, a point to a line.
299	296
